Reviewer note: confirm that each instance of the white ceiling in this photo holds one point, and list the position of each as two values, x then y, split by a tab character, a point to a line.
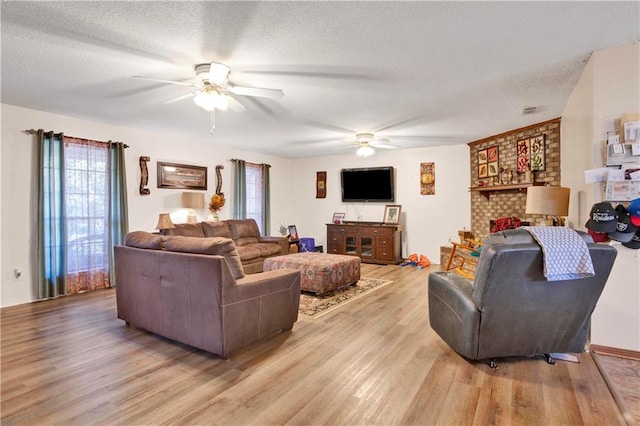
417	73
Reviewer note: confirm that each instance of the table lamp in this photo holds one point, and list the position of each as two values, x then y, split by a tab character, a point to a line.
191	201
164	223
550	201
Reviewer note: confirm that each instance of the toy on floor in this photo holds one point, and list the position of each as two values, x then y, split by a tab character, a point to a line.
420	262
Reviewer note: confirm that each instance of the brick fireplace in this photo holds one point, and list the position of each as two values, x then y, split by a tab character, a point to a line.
493	198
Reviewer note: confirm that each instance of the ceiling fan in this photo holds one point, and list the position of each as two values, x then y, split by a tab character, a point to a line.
215	90
367	141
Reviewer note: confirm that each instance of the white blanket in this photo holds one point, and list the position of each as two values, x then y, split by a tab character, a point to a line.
565	254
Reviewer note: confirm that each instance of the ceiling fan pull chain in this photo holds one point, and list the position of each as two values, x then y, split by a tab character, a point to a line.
213	121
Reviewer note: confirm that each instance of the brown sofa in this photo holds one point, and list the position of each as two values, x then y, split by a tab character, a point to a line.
252	248
194	291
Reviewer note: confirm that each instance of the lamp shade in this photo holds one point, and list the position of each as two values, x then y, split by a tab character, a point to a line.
548	200
164	222
193	200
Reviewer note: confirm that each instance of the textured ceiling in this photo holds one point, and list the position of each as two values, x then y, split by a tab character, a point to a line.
417	73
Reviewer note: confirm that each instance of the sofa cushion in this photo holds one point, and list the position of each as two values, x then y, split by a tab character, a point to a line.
241	228
216	229
187	230
248	253
245	241
144	240
266	249
214	246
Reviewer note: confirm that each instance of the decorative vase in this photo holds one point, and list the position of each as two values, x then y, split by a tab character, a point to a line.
213	216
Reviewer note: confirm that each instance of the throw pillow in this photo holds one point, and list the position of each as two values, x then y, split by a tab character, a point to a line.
213	246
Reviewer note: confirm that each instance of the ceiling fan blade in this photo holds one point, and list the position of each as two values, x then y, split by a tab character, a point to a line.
403	121
234	105
256	91
384	146
218	73
166	81
323	126
179	98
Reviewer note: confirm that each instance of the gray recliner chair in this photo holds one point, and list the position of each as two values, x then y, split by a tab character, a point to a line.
510	309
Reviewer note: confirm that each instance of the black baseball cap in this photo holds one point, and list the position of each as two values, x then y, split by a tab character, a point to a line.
625	229
602	218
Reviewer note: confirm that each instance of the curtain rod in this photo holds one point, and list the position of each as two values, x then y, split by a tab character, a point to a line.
33	132
237	159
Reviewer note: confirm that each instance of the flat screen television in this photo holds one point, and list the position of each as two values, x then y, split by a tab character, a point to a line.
374	184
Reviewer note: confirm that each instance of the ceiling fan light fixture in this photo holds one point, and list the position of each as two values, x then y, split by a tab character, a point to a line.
365	150
364	137
209	101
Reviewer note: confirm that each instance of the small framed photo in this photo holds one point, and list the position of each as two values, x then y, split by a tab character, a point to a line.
392	213
293	233
338	218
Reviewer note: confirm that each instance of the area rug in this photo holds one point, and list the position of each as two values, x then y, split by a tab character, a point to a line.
313	307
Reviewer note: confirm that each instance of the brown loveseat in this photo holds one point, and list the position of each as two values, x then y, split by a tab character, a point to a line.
194	291
252	248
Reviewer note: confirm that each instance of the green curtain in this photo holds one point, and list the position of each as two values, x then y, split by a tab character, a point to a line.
118	210
50	257
266	200
239	189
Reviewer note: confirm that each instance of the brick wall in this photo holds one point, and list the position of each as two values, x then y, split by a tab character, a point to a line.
511	202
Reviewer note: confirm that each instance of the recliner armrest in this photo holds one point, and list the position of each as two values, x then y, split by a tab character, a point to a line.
452	313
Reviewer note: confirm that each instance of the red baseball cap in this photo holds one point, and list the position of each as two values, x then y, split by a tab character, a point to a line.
598	237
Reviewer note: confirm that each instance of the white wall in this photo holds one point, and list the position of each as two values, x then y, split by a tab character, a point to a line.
608	88
429	220
17	179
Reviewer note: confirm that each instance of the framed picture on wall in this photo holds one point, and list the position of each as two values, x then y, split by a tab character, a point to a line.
538	158
181	176
531	154
493	169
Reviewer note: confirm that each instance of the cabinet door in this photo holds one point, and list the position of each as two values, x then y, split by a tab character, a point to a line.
351	242
367	243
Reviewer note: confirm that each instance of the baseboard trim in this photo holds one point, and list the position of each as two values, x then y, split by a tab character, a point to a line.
622	406
617	352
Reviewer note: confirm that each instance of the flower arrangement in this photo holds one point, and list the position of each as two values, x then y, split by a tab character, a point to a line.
216	203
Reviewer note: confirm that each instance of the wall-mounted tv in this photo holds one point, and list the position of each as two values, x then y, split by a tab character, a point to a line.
374	184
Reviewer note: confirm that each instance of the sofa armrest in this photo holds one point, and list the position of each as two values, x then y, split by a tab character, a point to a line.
258	306
452	313
283	241
263	283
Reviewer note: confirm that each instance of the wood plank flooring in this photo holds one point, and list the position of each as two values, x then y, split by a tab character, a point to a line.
375	361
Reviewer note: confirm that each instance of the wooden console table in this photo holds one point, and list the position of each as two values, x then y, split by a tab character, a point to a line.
372	241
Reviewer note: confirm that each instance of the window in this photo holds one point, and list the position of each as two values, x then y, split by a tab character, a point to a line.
254	194
82	213
86	211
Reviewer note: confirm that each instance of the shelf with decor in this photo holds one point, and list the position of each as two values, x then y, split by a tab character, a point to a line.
488	189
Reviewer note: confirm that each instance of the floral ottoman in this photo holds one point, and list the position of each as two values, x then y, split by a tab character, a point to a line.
320	272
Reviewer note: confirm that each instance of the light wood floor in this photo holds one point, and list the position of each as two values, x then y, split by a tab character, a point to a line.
375	361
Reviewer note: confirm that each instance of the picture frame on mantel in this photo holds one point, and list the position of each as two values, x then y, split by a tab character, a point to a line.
392	214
